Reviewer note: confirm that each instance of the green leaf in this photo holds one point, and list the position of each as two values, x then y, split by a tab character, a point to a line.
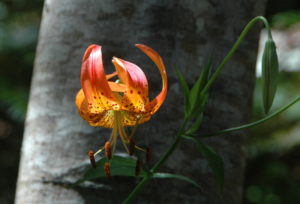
214	160
119	166
199	85
269	74
186	91
196	125
199	108
176	176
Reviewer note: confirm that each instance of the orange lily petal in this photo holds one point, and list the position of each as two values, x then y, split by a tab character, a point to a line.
131	118
155	104
94	83
104	119
109	76
135	97
117	87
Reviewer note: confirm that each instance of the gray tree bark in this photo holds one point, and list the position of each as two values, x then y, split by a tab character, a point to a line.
185	33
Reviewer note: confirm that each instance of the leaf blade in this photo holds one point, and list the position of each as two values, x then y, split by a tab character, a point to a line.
214	160
186	91
176	176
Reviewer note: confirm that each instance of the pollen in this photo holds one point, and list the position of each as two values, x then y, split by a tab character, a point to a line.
107	169
92	158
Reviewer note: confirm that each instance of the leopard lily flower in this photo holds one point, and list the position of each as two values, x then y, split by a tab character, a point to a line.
119	103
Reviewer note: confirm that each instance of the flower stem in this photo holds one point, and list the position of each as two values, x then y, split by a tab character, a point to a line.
234	48
158	164
253	123
136	190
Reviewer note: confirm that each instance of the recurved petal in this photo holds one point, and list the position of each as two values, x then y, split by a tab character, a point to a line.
81	102
155	104
94	82
136	94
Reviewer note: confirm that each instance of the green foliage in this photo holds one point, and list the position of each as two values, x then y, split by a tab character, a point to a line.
215	161
194	99
277	180
186	92
19	23
285	19
126	166
119	166
176	176
197	96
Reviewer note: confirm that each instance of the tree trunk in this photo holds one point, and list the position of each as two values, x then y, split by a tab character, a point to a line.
185	33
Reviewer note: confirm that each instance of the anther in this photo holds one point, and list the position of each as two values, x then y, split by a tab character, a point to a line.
107	169
92	158
138	167
107	150
148	154
131	147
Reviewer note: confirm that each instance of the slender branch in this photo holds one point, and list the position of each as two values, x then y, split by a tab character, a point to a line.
136	190
249	125
234	48
146	179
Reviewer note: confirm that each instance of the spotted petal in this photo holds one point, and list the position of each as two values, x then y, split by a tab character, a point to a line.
135	96
103	119
155	104
97	91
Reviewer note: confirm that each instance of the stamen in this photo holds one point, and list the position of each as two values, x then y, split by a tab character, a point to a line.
107	169
148	154
122	136
134	129
139	148
92	158
99	151
131	147
122	133
107	150
138	167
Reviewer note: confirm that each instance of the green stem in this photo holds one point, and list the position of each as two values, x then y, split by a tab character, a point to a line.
158	164
253	123
234	48
172	148
136	190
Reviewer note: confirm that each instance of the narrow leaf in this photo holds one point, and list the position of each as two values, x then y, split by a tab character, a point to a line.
196	125
119	166
199	85
214	160
186	91
269	74
199	107
176	176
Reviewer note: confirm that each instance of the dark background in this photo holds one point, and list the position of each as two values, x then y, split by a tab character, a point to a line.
273	172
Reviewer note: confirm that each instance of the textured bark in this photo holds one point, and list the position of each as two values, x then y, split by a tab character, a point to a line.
185	33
